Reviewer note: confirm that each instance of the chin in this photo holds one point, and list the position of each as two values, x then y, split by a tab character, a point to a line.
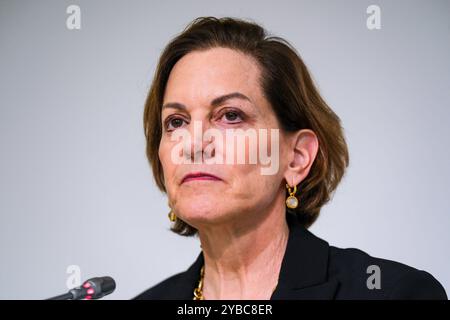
198	213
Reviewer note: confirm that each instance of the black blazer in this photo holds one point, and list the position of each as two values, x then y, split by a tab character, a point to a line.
311	269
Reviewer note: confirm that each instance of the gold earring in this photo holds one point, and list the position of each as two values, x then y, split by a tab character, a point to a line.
172	216
291	201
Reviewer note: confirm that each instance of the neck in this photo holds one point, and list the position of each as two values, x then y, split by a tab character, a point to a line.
243	259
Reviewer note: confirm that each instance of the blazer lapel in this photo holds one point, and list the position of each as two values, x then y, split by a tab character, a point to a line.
303	273
324	291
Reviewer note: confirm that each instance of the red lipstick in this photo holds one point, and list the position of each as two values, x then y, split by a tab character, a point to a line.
199	176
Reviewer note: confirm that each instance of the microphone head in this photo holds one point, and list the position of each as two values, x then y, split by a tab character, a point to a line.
94	288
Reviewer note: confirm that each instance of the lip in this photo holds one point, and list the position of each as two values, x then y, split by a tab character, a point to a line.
199	176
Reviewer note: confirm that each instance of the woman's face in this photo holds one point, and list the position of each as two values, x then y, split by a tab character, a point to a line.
241	188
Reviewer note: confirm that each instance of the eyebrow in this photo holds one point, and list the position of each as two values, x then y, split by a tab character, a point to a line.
214	103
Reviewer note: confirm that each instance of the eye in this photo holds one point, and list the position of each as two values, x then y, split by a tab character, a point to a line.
173	123
232	116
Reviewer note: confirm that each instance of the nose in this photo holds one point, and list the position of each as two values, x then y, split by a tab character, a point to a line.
194	148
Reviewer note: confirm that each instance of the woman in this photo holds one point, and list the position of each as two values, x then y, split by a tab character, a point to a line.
226	76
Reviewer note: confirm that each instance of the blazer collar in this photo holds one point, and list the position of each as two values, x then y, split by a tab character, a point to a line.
303	273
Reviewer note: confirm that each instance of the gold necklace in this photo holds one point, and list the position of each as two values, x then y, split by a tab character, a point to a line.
198	291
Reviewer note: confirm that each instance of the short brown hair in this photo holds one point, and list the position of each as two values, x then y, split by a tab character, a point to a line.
286	84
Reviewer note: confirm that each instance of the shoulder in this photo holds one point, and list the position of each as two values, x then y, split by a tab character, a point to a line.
363	276
167	289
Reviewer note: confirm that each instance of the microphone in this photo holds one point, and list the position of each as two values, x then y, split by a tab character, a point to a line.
94	288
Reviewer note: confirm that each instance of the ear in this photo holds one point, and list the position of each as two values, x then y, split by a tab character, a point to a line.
303	150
